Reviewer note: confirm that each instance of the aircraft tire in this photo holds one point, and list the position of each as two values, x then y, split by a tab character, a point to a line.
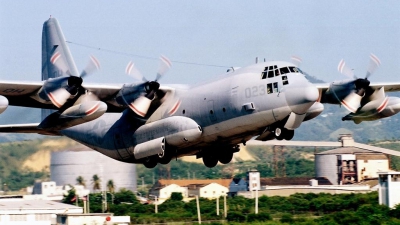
289	134
225	157
151	162
279	133
210	161
166	158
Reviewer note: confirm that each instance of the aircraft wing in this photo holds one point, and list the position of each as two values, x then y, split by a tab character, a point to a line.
23	94
389	86
25	128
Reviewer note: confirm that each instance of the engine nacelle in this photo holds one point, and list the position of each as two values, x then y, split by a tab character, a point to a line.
375	110
316	109
3	104
74	115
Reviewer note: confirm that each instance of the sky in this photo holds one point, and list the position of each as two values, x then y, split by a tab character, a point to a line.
215	34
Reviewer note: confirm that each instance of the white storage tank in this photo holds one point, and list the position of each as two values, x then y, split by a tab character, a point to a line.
326	166
66	166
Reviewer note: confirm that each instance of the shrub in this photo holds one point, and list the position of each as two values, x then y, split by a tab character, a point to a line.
235	217
287	218
258	217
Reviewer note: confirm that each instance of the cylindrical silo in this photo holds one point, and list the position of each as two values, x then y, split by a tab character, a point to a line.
326	166
66	166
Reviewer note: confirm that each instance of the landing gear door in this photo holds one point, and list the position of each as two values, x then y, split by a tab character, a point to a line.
278	114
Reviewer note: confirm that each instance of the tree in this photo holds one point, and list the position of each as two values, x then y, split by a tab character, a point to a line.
110	186
81	181
70	198
96	182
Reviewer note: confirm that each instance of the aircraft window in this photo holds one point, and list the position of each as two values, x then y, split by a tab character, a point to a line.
270	73
183	111
211	112
271	67
285	80
266	68
291	68
275	87
275	67
277	72
223	110
284	70
269	88
264	75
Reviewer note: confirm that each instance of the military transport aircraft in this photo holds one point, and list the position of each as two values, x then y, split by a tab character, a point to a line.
145	122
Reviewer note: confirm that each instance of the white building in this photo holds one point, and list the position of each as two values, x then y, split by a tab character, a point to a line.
165	192
33	212
212	190
389	188
50	191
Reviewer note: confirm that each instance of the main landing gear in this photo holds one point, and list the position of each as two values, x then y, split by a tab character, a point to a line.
224	155
283	133
164	158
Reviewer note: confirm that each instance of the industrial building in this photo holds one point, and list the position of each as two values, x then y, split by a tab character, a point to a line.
389	188
66	166
18	211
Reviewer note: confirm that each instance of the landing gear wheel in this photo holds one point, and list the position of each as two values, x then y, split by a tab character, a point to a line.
279	133
289	134
210	161
150	162
225	157
166	158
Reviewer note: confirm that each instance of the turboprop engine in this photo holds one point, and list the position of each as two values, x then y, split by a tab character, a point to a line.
174	132
3	104
74	115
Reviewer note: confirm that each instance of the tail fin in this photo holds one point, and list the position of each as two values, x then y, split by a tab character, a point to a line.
54	48
53	44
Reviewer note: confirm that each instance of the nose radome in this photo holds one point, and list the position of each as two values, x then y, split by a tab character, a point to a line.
300	99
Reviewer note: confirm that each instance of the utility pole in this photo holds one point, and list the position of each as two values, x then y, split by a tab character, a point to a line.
156	204
225	210
218	206
198	209
256	206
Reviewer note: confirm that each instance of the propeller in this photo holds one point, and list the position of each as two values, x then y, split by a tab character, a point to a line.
60	95
140	105
361	85
296	60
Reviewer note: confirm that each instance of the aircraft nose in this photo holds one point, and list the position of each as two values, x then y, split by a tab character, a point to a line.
300	99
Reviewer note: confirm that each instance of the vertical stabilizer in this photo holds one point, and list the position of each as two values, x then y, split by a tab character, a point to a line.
55	49
56	57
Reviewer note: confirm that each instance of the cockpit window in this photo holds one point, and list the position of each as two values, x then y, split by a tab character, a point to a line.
273	71
284	70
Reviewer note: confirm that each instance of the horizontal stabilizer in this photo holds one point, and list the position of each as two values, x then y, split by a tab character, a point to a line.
25	128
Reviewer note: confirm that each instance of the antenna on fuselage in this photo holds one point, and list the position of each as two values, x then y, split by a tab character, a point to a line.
256	60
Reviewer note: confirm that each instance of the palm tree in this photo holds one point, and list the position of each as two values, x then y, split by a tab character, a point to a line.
96	182
110	186
81	181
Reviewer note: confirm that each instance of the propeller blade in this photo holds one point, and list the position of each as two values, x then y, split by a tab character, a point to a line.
91	67
296	60
352	102
140	106
374	63
165	64
58	62
343	69
59	97
134	72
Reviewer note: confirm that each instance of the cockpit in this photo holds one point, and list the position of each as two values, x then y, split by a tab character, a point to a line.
274	71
